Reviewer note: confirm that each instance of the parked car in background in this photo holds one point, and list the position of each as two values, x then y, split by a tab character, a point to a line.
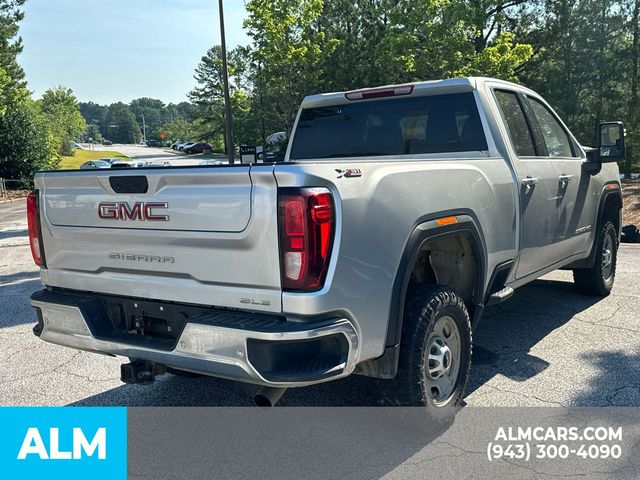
107	142
154	164
183	146
175	145
111	160
199	147
92	164
123	164
269	156
152	143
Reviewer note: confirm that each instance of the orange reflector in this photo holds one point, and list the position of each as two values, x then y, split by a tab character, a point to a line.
447	220
612	186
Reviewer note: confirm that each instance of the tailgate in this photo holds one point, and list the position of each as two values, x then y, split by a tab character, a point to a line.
203	235
208	201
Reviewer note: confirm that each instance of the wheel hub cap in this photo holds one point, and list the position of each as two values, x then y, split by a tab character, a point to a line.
607	256
439	358
443	360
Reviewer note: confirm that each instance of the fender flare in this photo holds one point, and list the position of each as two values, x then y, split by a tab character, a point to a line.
424	230
610	189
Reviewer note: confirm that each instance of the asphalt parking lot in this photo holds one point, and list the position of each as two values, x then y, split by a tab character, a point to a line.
548	346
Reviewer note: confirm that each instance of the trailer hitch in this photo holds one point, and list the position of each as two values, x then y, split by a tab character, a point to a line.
141	372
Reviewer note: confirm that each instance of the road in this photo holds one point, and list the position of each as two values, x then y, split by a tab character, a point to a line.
153	154
547	346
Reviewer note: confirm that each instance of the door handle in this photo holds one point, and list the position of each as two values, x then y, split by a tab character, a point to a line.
564	179
528	183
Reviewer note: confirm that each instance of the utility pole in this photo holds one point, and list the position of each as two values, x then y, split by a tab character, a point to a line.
227	97
144	129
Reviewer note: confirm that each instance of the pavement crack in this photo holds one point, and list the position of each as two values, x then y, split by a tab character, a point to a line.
91	380
614	392
504	390
604	325
42	372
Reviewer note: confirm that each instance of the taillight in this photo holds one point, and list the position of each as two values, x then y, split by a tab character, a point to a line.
33	221
306	221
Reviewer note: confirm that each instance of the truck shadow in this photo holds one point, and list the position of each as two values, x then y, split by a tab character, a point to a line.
502	342
13	279
15	289
507	333
616	382
14	234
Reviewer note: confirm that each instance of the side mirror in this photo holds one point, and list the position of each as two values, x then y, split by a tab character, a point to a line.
611	146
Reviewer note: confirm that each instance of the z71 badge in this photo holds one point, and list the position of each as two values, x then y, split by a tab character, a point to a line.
349	172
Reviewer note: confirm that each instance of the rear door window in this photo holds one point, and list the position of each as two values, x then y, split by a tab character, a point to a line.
401	126
513	116
555	137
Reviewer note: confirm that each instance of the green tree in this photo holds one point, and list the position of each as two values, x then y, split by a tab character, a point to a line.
208	95
93	113
580	66
178	130
13	87
289	53
24	143
451	38
60	110
246	125
92	134
183	110
120	125
501	59
153	111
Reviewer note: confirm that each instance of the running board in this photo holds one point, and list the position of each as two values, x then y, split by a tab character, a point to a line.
500	296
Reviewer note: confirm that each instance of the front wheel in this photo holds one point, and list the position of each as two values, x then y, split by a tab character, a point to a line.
598	280
435	355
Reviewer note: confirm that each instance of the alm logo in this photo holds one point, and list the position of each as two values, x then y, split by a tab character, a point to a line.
33	444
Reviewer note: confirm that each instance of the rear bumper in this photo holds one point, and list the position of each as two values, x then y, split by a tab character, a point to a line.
234	345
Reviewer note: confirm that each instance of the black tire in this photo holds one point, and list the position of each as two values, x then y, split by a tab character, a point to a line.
189	152
598	280
426	305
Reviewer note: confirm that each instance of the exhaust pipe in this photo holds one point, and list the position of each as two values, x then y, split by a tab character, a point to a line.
267	397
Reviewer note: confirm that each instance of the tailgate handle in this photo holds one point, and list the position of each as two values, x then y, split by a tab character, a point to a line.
129	184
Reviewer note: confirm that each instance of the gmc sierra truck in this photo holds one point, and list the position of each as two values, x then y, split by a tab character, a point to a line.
398	214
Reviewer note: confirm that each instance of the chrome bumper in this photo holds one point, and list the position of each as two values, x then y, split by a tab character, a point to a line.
215	350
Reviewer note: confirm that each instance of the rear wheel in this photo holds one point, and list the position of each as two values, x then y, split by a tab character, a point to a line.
598	280
435	354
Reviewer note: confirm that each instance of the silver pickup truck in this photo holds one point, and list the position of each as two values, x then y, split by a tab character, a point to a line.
398	214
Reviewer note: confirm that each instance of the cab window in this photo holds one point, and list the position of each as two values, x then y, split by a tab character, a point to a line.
513	116
401	126
556	139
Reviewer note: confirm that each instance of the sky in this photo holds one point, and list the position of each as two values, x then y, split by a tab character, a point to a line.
117	50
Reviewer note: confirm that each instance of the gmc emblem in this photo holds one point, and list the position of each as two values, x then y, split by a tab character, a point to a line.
138	211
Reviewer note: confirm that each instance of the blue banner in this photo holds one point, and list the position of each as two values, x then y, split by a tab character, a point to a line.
63	442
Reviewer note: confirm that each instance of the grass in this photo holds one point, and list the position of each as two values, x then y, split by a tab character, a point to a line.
81	156
631	202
